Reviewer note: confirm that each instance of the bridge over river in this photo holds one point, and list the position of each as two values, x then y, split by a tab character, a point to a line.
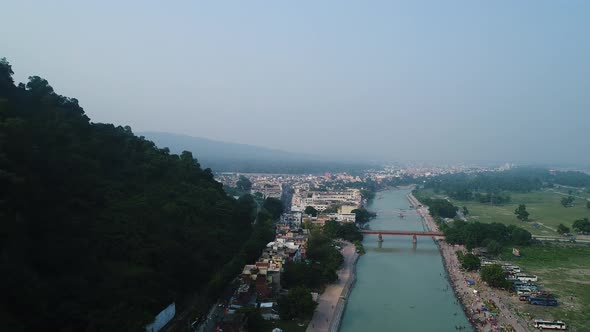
413	234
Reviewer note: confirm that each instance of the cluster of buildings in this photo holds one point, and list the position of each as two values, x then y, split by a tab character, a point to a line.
422	170
321	200
260	282
274	185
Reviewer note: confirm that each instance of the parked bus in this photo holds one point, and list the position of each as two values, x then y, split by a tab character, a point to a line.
549	324
526	277
543	300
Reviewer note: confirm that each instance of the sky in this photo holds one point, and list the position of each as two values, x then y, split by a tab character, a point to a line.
382	80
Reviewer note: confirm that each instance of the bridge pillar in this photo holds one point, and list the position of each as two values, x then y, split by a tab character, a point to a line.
414	239
380	238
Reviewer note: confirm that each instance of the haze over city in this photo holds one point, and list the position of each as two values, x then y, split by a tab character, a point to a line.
418	80
294	166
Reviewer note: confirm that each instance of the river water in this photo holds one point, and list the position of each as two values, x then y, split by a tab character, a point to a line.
399	286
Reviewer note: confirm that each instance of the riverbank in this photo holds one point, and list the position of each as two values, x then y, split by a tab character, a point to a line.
332	302
472	298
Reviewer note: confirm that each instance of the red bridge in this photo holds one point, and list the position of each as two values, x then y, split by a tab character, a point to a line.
402	233
413	234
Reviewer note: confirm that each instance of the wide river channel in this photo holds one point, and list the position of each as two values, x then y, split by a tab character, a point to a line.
400	286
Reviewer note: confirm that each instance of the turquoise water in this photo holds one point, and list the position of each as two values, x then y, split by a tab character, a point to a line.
399	286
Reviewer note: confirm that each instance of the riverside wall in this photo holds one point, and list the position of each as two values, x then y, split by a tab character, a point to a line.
343	300
430	225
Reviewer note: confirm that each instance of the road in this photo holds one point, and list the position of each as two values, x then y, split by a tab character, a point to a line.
213	319
327	302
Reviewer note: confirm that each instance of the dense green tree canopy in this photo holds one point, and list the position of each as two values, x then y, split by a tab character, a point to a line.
469	262
582	225
310	210
568	201
521	213
494	276
465	211
491	187
298	303
363	215
321	251
331	209
244	184
101	229
440	207
346	231
476	234
274	206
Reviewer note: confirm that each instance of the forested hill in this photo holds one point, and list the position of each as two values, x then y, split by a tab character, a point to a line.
100	229
233	157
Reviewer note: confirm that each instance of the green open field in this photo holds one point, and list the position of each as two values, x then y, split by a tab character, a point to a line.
544	207
564	270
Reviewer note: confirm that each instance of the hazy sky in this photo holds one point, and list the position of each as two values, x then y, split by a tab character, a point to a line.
421	80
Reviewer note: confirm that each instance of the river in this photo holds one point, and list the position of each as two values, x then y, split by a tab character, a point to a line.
400	287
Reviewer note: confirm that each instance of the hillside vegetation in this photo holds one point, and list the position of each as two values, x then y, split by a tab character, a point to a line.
243	158
101	229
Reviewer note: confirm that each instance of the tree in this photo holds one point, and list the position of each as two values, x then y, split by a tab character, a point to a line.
254	319
494	247
465	211
274	206
563	229
94	220
521	213
244	184
331	229
441	208
346	231
248	206
520	236
494	276
6	73
302	274
568	201
363	215
476	234
331	209
321	252
310	210
349	232
470	262
298	303
582	225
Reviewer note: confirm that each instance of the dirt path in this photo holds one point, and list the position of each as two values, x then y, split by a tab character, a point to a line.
326	311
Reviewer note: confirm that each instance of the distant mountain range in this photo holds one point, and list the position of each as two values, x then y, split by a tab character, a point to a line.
235	157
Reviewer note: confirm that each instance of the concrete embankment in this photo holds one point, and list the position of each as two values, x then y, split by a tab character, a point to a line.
332	302
343	300
430	225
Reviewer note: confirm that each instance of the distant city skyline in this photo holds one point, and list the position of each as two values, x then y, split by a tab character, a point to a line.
390	81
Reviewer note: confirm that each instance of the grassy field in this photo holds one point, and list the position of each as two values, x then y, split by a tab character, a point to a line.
563	269
544	207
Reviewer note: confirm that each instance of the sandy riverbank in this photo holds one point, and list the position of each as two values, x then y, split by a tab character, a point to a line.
472	297
332	302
